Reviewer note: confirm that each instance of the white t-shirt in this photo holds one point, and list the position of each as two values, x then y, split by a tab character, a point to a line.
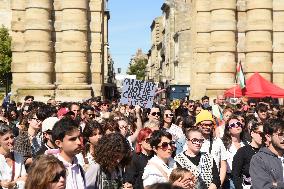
6	170
230	154
218	150
153	175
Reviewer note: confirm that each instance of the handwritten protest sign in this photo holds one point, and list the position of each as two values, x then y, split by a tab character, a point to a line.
136	92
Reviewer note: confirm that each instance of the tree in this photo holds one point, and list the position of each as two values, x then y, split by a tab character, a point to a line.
138	68
5	54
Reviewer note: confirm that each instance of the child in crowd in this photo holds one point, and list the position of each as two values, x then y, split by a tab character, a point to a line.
179	174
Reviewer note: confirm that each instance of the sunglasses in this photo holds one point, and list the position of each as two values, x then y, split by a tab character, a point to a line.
235	125
147	140
165	145
196	141
169	115
156	113
59	175
106	105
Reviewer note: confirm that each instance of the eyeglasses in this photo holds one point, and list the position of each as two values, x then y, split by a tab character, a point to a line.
156	113
106	105
38	120
235	125
196	141
206	124
169	115
190	106
165	145
59	175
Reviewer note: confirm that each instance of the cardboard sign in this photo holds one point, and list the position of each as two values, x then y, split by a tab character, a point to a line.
136	92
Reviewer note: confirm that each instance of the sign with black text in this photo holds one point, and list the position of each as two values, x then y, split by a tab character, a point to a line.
136	92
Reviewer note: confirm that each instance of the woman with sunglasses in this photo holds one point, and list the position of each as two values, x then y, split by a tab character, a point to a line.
241	161
233	139
167	118
142	154
160	166
12	168
46	172
201	164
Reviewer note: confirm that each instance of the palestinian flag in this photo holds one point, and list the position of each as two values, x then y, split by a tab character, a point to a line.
240	75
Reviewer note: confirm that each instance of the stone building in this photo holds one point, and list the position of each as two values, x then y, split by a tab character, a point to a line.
202	41
60	48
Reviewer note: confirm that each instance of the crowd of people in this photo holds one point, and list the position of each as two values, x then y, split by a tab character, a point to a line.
101	144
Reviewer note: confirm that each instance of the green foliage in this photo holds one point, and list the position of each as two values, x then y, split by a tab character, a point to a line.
138	69
5	54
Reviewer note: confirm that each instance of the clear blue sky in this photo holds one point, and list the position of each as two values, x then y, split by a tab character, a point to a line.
129	28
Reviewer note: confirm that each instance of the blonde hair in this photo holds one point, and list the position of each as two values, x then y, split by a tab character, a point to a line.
152	123
178	173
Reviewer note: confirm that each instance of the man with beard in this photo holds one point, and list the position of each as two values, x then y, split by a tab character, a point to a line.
266	166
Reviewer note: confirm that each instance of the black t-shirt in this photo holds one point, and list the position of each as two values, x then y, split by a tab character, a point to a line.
134	172
195	160
241	164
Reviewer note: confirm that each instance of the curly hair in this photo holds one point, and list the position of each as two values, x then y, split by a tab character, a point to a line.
111	125
42	172
109	149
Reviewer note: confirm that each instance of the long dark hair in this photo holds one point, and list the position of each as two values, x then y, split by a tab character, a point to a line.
227	139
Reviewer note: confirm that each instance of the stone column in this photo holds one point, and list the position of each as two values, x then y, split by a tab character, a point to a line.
278	43
223	46
259	38
73	84
96	49
37	78
201	35
57	38
18	60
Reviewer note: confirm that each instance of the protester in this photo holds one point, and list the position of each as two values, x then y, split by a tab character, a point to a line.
179	174
241	161
227	113
217	109
160	166
112	153
12	168
46	129
266	166
167	118
29	141
46	172
143	152
202	165
66	136
212	145
233	139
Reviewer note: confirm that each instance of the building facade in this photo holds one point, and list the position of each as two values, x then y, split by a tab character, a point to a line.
60	48
202	41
